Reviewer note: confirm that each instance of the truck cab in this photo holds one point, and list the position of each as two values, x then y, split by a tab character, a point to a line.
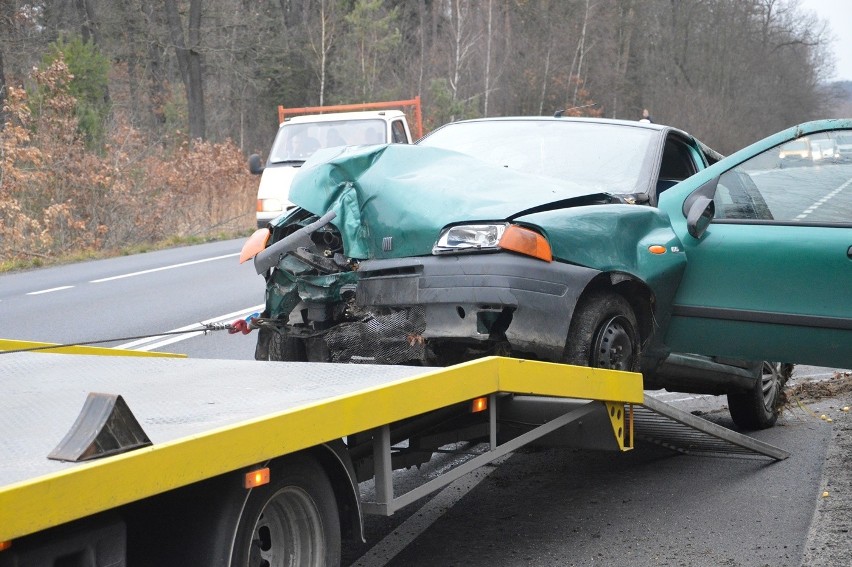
300	136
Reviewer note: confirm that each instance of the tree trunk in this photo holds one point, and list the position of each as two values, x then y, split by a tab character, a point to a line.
189	62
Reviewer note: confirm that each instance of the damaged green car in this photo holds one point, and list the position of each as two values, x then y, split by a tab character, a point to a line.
595	242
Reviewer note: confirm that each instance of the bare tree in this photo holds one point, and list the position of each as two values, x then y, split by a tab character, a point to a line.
189	61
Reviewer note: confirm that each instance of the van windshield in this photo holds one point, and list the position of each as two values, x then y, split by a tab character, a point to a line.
298	141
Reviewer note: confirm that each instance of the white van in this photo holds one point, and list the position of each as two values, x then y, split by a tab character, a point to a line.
301	136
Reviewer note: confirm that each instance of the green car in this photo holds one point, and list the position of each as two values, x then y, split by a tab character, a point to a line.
595	242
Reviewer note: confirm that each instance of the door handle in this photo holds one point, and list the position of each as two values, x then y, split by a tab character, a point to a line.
849	252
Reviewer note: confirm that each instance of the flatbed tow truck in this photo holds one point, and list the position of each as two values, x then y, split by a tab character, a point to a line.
223	462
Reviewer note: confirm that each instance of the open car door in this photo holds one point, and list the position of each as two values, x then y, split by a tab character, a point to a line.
769	253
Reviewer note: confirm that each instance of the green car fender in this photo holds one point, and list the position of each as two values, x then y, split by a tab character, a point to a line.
634	241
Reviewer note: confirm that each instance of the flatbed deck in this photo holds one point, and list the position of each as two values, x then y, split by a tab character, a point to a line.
207	417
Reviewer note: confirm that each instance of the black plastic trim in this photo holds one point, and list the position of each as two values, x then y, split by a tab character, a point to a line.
748	316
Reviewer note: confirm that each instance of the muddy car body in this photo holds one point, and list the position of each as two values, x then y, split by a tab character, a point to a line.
556	239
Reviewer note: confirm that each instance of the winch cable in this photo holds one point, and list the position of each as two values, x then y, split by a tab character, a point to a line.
244	326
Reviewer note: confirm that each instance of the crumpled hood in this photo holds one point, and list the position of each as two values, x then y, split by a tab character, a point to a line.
409	193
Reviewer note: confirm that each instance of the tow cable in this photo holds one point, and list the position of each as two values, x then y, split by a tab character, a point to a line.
244	326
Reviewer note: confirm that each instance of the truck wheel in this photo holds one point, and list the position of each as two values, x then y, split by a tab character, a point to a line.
286	348
603	333
293	520
760	407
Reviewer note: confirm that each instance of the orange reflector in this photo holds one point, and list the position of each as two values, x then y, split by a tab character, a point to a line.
657	249
260	205
257	478
479	404
525	241
4	545
255	244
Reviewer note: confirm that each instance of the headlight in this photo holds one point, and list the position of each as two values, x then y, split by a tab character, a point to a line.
269	205
469	237
489	237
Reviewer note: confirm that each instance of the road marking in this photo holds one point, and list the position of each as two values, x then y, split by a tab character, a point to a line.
163	340
422	519
165	268
822	201
50	290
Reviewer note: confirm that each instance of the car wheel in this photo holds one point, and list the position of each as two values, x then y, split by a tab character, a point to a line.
286	348
760	407
603	333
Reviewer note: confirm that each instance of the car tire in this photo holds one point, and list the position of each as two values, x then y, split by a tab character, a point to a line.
760	407
285	348
603	333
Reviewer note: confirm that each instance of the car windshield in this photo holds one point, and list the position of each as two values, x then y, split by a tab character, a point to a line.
603	157
298	141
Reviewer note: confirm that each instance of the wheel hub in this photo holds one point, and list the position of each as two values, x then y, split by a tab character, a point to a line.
613	345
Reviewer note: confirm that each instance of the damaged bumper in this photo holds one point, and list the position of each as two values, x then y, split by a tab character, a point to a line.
484	298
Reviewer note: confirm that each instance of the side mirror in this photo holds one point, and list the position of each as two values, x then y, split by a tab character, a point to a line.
701	212
255	164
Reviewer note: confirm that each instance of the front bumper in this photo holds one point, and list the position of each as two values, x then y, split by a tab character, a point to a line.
481	297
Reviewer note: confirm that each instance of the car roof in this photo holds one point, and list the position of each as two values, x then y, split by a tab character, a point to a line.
712	154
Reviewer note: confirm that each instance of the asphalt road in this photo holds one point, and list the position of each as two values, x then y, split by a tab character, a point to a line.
138	295
538	507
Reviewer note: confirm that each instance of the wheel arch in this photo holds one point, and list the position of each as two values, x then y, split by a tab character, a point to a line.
334	459
637	293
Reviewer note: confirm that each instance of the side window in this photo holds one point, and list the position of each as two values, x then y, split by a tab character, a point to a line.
804	181
398	132
677	164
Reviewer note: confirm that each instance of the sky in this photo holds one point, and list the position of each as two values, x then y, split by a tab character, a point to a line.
838	13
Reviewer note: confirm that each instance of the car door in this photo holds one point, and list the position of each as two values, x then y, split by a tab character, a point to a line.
770	276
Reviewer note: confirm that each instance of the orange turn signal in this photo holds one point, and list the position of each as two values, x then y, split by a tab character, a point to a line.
256	478
657	249
255	244
478	404
525	241
4	545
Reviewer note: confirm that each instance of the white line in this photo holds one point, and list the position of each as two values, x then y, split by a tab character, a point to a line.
50	290
167	340
822	201
164	268
419	521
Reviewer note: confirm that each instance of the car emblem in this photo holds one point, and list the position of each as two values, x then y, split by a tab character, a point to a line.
387	243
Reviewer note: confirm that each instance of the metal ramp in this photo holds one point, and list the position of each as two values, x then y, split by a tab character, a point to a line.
578	423
665	425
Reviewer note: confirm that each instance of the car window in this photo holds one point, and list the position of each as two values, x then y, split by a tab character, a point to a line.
816	190
398	132
603	157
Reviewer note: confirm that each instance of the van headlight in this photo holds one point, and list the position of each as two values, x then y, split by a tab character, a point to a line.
269	205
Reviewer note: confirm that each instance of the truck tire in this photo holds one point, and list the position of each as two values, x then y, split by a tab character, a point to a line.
760	407
293	520
603	333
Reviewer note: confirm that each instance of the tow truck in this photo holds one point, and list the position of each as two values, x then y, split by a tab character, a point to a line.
115	457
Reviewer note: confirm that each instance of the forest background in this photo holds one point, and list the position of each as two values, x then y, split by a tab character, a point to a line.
128	123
